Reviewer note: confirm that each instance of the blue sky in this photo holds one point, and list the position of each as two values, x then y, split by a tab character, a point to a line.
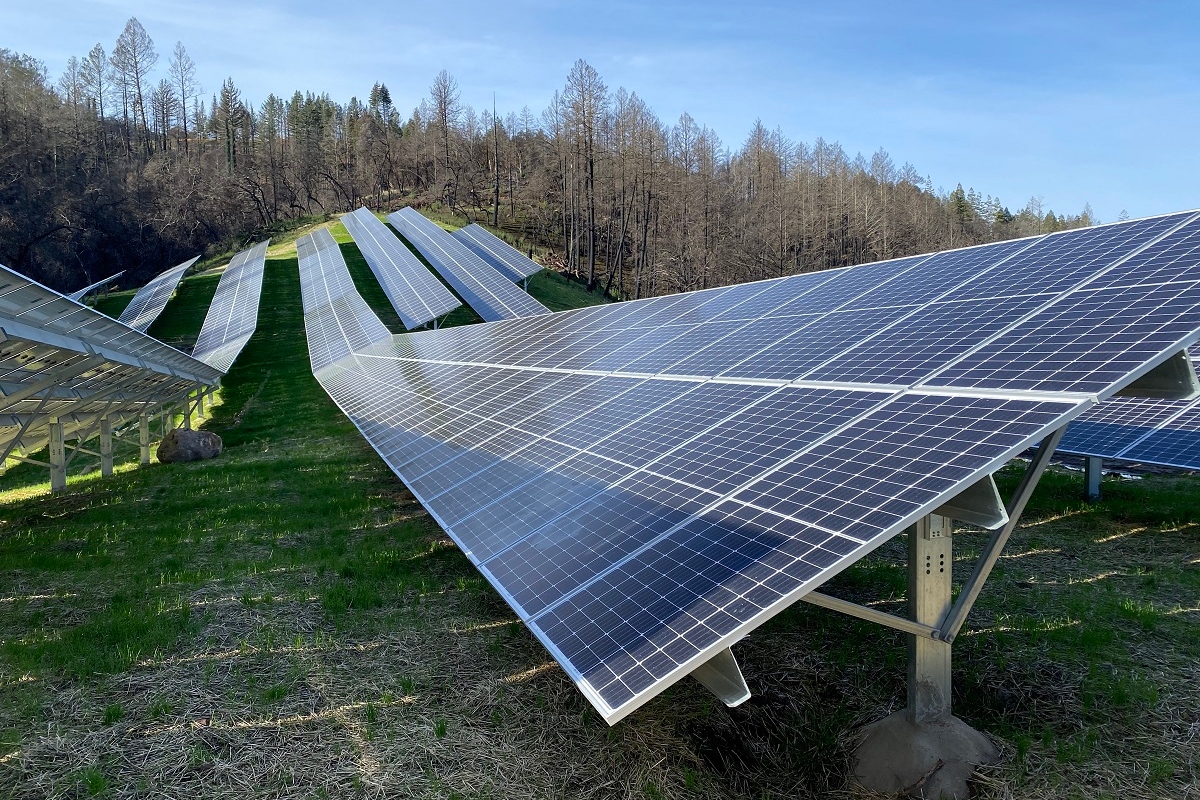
1076	103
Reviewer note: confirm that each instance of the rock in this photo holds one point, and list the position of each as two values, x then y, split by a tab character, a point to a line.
183	445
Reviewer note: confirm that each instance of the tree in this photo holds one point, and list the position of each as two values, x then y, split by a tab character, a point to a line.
133	59
183	77
443	95
164	106
93	75
586	99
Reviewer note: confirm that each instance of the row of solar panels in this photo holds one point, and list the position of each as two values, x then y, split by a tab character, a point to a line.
1139	430
63	363
476	264
647	482
1147	430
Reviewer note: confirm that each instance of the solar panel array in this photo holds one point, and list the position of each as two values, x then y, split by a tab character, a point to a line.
91	287
647	482
418	297
233	316
62	361
152	298
342	323
1139	430
492	295
506	259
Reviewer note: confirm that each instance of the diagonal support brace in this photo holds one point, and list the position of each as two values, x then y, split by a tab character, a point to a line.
957	615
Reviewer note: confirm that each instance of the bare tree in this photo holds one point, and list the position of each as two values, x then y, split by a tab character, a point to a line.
183	78
133	58
94	74
443	96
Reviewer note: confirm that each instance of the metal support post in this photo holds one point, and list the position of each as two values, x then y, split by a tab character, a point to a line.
187	411
1093	468
925	746
106	447
930	570
58	457
144	437
200	398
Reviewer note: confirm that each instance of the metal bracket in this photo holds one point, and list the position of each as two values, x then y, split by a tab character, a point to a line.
722	676
979	504
1174	379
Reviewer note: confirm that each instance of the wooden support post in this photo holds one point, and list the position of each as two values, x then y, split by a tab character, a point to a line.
144	437
106	448
58	457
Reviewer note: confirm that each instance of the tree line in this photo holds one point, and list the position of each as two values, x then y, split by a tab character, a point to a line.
124	162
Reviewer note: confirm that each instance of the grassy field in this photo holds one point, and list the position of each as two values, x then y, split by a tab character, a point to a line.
286	621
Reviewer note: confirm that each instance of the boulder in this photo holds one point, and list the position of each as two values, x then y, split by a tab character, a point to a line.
184	445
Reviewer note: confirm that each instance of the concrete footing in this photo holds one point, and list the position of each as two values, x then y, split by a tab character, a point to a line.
932	760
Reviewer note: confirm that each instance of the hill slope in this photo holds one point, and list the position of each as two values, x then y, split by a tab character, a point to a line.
287	621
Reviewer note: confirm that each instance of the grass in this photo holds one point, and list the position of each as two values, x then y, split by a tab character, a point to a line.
287	621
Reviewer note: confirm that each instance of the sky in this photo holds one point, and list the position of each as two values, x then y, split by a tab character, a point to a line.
1074	103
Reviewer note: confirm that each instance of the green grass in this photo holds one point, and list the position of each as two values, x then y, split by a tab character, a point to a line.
289	614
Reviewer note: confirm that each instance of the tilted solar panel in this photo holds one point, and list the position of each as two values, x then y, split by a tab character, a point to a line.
152	298
233	316
647	482
64	362
1139	430
506	259
489	293
91	287
414	292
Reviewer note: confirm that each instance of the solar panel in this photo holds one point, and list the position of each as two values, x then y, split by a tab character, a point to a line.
506	259
91	287
650	481
417	296
233	315
489	293
152	298
64	362
1139	429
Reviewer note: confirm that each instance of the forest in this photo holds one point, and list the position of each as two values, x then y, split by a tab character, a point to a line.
125	162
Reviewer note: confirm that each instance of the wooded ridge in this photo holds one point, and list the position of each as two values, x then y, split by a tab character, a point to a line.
122	164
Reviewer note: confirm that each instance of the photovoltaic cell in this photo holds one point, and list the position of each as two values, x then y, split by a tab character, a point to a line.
152	298
492	295
1139	430
640	522
233	316
417	296
503	257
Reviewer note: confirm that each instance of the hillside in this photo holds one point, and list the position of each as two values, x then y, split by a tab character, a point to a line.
287	621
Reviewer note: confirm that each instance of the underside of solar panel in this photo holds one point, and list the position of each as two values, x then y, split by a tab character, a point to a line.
66	365
645	483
